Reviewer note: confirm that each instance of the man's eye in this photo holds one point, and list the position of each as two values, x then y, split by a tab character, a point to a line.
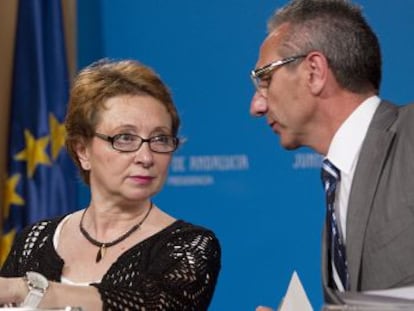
264	81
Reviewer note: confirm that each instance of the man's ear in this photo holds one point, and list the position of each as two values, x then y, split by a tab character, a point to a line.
318	71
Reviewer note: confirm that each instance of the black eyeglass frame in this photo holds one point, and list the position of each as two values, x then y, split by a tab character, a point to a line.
112	140
258	74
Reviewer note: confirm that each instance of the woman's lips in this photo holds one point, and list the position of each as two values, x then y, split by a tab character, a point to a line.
142	179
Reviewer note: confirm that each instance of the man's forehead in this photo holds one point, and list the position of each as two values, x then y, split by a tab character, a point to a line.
268	50
272	42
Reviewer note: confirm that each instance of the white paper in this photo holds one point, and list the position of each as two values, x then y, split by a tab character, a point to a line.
295	298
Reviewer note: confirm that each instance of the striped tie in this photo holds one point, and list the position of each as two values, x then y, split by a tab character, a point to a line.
336	249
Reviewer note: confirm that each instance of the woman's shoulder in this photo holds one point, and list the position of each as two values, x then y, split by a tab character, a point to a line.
181	228
45	223
185	234
33	236
40	228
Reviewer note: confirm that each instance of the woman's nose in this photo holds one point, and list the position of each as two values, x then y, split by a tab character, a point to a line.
144	155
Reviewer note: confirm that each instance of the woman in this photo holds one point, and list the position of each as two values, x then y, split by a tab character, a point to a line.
121	252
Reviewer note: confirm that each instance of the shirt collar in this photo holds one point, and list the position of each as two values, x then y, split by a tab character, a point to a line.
347	141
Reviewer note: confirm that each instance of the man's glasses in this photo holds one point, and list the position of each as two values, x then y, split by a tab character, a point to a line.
262	76
129	142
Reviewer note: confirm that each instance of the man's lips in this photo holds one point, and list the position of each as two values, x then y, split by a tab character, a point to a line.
274	126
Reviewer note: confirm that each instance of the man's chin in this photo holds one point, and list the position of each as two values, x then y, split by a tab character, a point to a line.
289	145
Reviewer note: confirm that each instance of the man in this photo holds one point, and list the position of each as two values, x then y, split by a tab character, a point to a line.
317	83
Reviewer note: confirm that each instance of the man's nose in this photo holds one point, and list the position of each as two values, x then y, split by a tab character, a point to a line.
258	105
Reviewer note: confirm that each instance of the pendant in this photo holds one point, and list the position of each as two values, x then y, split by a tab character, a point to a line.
101	253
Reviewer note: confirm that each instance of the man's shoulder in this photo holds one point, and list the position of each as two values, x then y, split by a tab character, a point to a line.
400	116
391	105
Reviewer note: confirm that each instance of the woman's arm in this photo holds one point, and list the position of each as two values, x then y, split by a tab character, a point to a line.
58	295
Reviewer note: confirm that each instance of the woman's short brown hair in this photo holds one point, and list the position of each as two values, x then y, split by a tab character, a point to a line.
102	80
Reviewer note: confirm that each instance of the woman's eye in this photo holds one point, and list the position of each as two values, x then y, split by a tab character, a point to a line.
125	137
160	139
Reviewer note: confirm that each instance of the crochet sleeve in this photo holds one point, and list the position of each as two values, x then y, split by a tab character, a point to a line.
180	273
31	251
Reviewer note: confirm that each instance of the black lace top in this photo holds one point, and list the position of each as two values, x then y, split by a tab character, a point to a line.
175	269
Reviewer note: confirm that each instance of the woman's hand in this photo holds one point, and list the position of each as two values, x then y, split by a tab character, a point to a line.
12	290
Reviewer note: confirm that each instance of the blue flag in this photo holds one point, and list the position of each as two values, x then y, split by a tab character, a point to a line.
42	180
